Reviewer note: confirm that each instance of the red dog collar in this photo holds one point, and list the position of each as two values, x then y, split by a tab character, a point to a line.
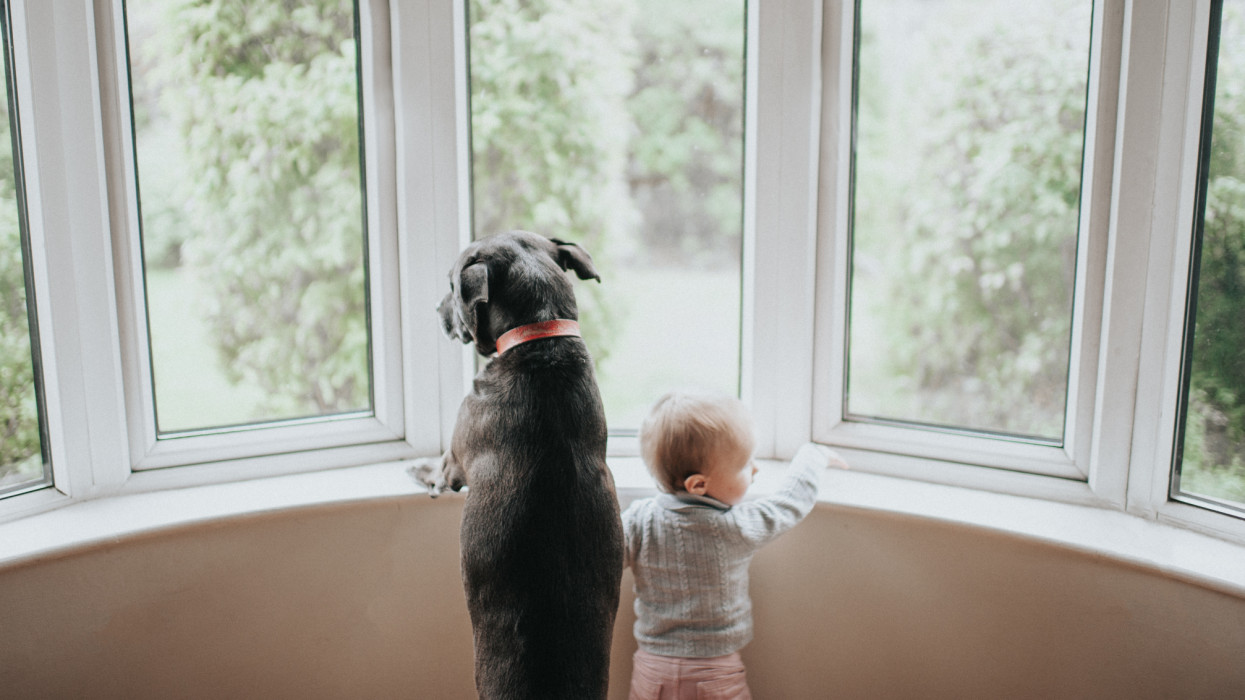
536	331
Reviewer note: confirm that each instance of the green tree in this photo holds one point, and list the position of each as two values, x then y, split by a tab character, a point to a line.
550	128
19	417
686	167
1214	455
980	266
265	97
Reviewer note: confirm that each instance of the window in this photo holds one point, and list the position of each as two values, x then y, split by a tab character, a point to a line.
247	136
966	175
970	125
260	264
619	125
1210	459
24	462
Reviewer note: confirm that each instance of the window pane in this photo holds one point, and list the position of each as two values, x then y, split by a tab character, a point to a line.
247	135
23	462
619	125
970	122
1212	463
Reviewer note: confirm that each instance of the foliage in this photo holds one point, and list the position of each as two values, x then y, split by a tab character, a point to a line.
979	251
549	129
265	96
19	418
1216	421
686	168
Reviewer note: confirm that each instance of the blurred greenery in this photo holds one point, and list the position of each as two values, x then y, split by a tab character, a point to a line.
686	168
968	179
1214	448
549	128
264	100
20	454
617	125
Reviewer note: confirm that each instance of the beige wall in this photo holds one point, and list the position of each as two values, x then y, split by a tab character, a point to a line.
363	601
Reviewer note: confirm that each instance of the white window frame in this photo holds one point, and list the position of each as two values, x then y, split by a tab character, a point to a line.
942	455
386	422
75	131
69	239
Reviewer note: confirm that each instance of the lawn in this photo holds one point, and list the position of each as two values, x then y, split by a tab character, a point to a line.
191	388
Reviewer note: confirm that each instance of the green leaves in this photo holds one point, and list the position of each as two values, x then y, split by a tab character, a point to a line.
266	98
968	184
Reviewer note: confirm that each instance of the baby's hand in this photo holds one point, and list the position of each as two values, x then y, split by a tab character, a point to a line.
833	459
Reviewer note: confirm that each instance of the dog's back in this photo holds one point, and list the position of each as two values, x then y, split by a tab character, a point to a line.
541	535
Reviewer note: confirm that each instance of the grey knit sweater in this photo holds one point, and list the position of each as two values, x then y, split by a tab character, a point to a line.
690	559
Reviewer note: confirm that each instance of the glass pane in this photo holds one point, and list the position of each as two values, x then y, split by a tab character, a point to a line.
247	131
970	119
1212	463
618	125
23	463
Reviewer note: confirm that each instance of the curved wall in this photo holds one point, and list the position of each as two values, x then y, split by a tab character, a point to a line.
362	600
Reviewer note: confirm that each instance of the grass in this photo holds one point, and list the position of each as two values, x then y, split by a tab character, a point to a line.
192	390
679	330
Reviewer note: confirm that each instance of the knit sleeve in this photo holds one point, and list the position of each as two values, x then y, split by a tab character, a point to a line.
764	519
631	533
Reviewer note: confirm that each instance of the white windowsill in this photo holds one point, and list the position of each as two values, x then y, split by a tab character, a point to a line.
1173	551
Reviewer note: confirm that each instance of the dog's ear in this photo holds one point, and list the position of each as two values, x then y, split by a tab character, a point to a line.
472	293
572	257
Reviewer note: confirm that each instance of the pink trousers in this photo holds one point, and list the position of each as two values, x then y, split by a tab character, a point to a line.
676	678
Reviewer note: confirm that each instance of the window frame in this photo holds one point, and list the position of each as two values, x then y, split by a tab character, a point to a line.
386	422
68	239
100	436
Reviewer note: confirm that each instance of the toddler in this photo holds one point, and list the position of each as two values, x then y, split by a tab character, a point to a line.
689	547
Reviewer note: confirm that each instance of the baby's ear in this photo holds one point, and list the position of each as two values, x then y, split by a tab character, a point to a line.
696	484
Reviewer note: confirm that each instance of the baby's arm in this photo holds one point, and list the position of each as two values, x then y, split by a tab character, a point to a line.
763	519
631	534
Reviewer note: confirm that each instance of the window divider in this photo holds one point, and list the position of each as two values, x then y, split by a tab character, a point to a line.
54	47
783	253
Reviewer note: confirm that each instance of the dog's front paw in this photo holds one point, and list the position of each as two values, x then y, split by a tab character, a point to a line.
427	472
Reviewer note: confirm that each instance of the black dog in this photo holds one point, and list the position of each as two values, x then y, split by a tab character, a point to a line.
541	534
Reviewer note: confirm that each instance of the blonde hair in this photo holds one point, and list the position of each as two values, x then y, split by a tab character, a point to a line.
683	434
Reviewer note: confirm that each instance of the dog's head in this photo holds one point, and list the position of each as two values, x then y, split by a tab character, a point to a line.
510	279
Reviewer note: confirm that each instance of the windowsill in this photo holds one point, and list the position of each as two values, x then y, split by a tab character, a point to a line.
1172	551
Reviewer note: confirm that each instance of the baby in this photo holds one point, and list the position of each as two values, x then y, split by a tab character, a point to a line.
689	547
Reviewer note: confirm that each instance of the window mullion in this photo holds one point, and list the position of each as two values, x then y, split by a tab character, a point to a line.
1163	98
783	242
433	197
72	252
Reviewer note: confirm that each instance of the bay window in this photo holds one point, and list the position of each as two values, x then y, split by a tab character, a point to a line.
963	241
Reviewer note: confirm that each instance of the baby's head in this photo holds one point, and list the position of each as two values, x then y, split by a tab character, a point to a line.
699	443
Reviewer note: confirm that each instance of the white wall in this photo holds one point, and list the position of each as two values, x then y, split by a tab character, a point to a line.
363	600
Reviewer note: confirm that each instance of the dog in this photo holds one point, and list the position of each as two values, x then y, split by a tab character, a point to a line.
541	536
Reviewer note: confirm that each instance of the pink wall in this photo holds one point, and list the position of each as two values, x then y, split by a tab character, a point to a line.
363	601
